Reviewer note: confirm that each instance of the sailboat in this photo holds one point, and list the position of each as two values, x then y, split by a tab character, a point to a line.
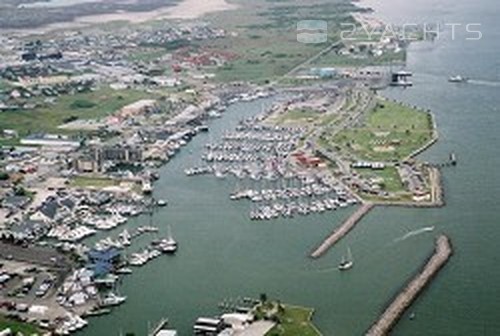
168	245
347	262
236	194
112	299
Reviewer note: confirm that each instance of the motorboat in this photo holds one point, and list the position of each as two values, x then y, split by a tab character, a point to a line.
457	79
347	262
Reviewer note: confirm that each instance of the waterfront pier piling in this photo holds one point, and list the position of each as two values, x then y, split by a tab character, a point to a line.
404	299
342	230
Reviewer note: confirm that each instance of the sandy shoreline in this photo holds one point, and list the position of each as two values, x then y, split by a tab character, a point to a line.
185	10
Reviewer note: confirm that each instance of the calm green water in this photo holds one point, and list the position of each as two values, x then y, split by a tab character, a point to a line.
223	254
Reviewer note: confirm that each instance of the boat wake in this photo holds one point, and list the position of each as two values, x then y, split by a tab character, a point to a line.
471	81
414	233
326	270
483	82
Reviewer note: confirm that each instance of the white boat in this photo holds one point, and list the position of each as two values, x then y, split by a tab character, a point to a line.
124	270
161	203
136	260
168	245
98	312
219	174
457	79
139	258
71	323
125	238
113	300
108	280
214	114
347	262
147	188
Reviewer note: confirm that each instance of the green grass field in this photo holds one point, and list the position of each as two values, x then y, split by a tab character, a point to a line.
334	59
265	39
9	142
265	42
297	116
391	180
272	55
102	102
329	119
18	327
390	132
294	321
147	54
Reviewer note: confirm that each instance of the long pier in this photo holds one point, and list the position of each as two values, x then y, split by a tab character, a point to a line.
342	230
395	310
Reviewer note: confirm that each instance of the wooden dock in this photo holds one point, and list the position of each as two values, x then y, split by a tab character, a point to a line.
395	310
342	230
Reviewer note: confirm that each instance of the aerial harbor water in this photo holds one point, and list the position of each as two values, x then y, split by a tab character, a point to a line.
223	254
148	175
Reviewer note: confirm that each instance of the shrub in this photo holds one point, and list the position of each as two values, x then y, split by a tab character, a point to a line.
82	104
